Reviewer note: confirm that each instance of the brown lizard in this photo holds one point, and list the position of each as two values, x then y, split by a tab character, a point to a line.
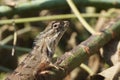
41	55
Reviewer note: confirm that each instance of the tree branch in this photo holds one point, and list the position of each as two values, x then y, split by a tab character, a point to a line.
81	53
50	4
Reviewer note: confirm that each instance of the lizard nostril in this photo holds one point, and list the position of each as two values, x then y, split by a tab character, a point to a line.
66	23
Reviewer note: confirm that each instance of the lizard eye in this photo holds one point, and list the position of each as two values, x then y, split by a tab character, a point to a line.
56	25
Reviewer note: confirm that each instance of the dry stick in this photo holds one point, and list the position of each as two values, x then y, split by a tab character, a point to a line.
80	18
15	39
100	21
85	67
19	32
79	54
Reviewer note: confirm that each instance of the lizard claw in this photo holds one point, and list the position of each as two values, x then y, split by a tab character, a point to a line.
53	66
48	69
56	67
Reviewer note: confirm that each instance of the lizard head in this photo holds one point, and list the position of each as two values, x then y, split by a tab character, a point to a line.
51	36
55	31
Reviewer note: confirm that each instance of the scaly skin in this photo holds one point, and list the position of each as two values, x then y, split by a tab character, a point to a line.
41	55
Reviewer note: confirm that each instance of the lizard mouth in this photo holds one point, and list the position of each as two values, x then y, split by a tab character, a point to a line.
54	34
60	31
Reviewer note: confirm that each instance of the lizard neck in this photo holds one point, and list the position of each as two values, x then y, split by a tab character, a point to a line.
42	51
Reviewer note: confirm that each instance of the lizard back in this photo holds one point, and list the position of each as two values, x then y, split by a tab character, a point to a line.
42	52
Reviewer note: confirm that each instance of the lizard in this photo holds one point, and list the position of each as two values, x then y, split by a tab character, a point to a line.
41	54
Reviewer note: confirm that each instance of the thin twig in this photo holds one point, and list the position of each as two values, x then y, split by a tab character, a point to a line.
86	68
80	18
53	17
16	48
19	32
